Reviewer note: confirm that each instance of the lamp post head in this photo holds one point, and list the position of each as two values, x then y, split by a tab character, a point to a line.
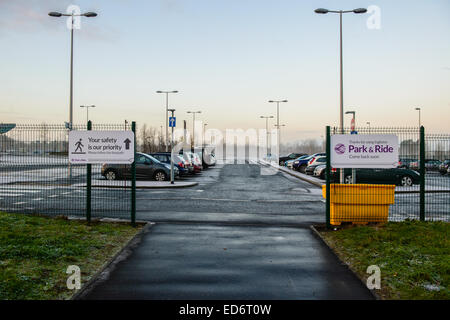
418	109
360	10
284	101
271	101
89	14
321	11
171	110
55	14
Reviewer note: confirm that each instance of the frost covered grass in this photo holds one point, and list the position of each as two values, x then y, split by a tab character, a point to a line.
414	256
35	252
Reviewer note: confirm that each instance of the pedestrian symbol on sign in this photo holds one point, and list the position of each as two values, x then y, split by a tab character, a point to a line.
79	146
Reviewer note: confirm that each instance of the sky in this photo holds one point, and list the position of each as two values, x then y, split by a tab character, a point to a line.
227	58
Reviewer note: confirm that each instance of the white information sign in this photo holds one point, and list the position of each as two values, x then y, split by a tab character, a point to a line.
364	151
114	147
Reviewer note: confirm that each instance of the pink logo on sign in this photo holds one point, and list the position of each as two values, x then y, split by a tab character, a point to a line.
339	148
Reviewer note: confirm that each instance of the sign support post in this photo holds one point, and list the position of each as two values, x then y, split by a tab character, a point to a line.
172	124
328	177
422	173
133	179
88	183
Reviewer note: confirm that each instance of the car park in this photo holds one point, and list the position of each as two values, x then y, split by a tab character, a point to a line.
147	167
178	161
397	176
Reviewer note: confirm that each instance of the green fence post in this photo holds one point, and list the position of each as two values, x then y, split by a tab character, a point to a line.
88	184
328	177
133	179
422	173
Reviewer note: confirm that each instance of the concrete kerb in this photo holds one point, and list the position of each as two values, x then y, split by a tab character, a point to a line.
325	242
140	184
295	174
109	266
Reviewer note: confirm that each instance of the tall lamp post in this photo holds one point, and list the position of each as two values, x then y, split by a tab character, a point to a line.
193	125
278	118
418	109
278	126
267	132
204	129
171	151
72	15
341	117
368	124
167	115
87	111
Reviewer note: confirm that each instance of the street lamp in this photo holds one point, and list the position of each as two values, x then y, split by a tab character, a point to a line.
72	15
278	118
356	11
368	123
167	114
278	126
267	132
418	109
193	125
87	112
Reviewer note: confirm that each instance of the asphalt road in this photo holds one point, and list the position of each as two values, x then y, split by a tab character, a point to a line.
237	235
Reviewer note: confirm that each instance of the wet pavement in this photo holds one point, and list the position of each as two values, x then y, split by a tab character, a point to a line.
237	235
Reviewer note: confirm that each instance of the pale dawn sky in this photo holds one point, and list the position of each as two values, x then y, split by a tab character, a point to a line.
227	58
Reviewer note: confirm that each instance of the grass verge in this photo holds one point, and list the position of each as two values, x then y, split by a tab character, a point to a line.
35	252
414	256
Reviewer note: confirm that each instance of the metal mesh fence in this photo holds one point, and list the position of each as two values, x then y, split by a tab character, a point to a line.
36	177
362	203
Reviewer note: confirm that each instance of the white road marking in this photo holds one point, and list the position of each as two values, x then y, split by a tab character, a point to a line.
11	194
38	199
53	196
17	203
19	191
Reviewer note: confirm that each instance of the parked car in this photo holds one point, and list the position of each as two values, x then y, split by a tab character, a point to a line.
444	167
397	176
147	167
303	163
194	159
313	163
178	161
405	162
430	165
289	163
291	156
319	171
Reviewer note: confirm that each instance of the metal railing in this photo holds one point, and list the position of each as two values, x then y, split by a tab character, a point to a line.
36	177
422	187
